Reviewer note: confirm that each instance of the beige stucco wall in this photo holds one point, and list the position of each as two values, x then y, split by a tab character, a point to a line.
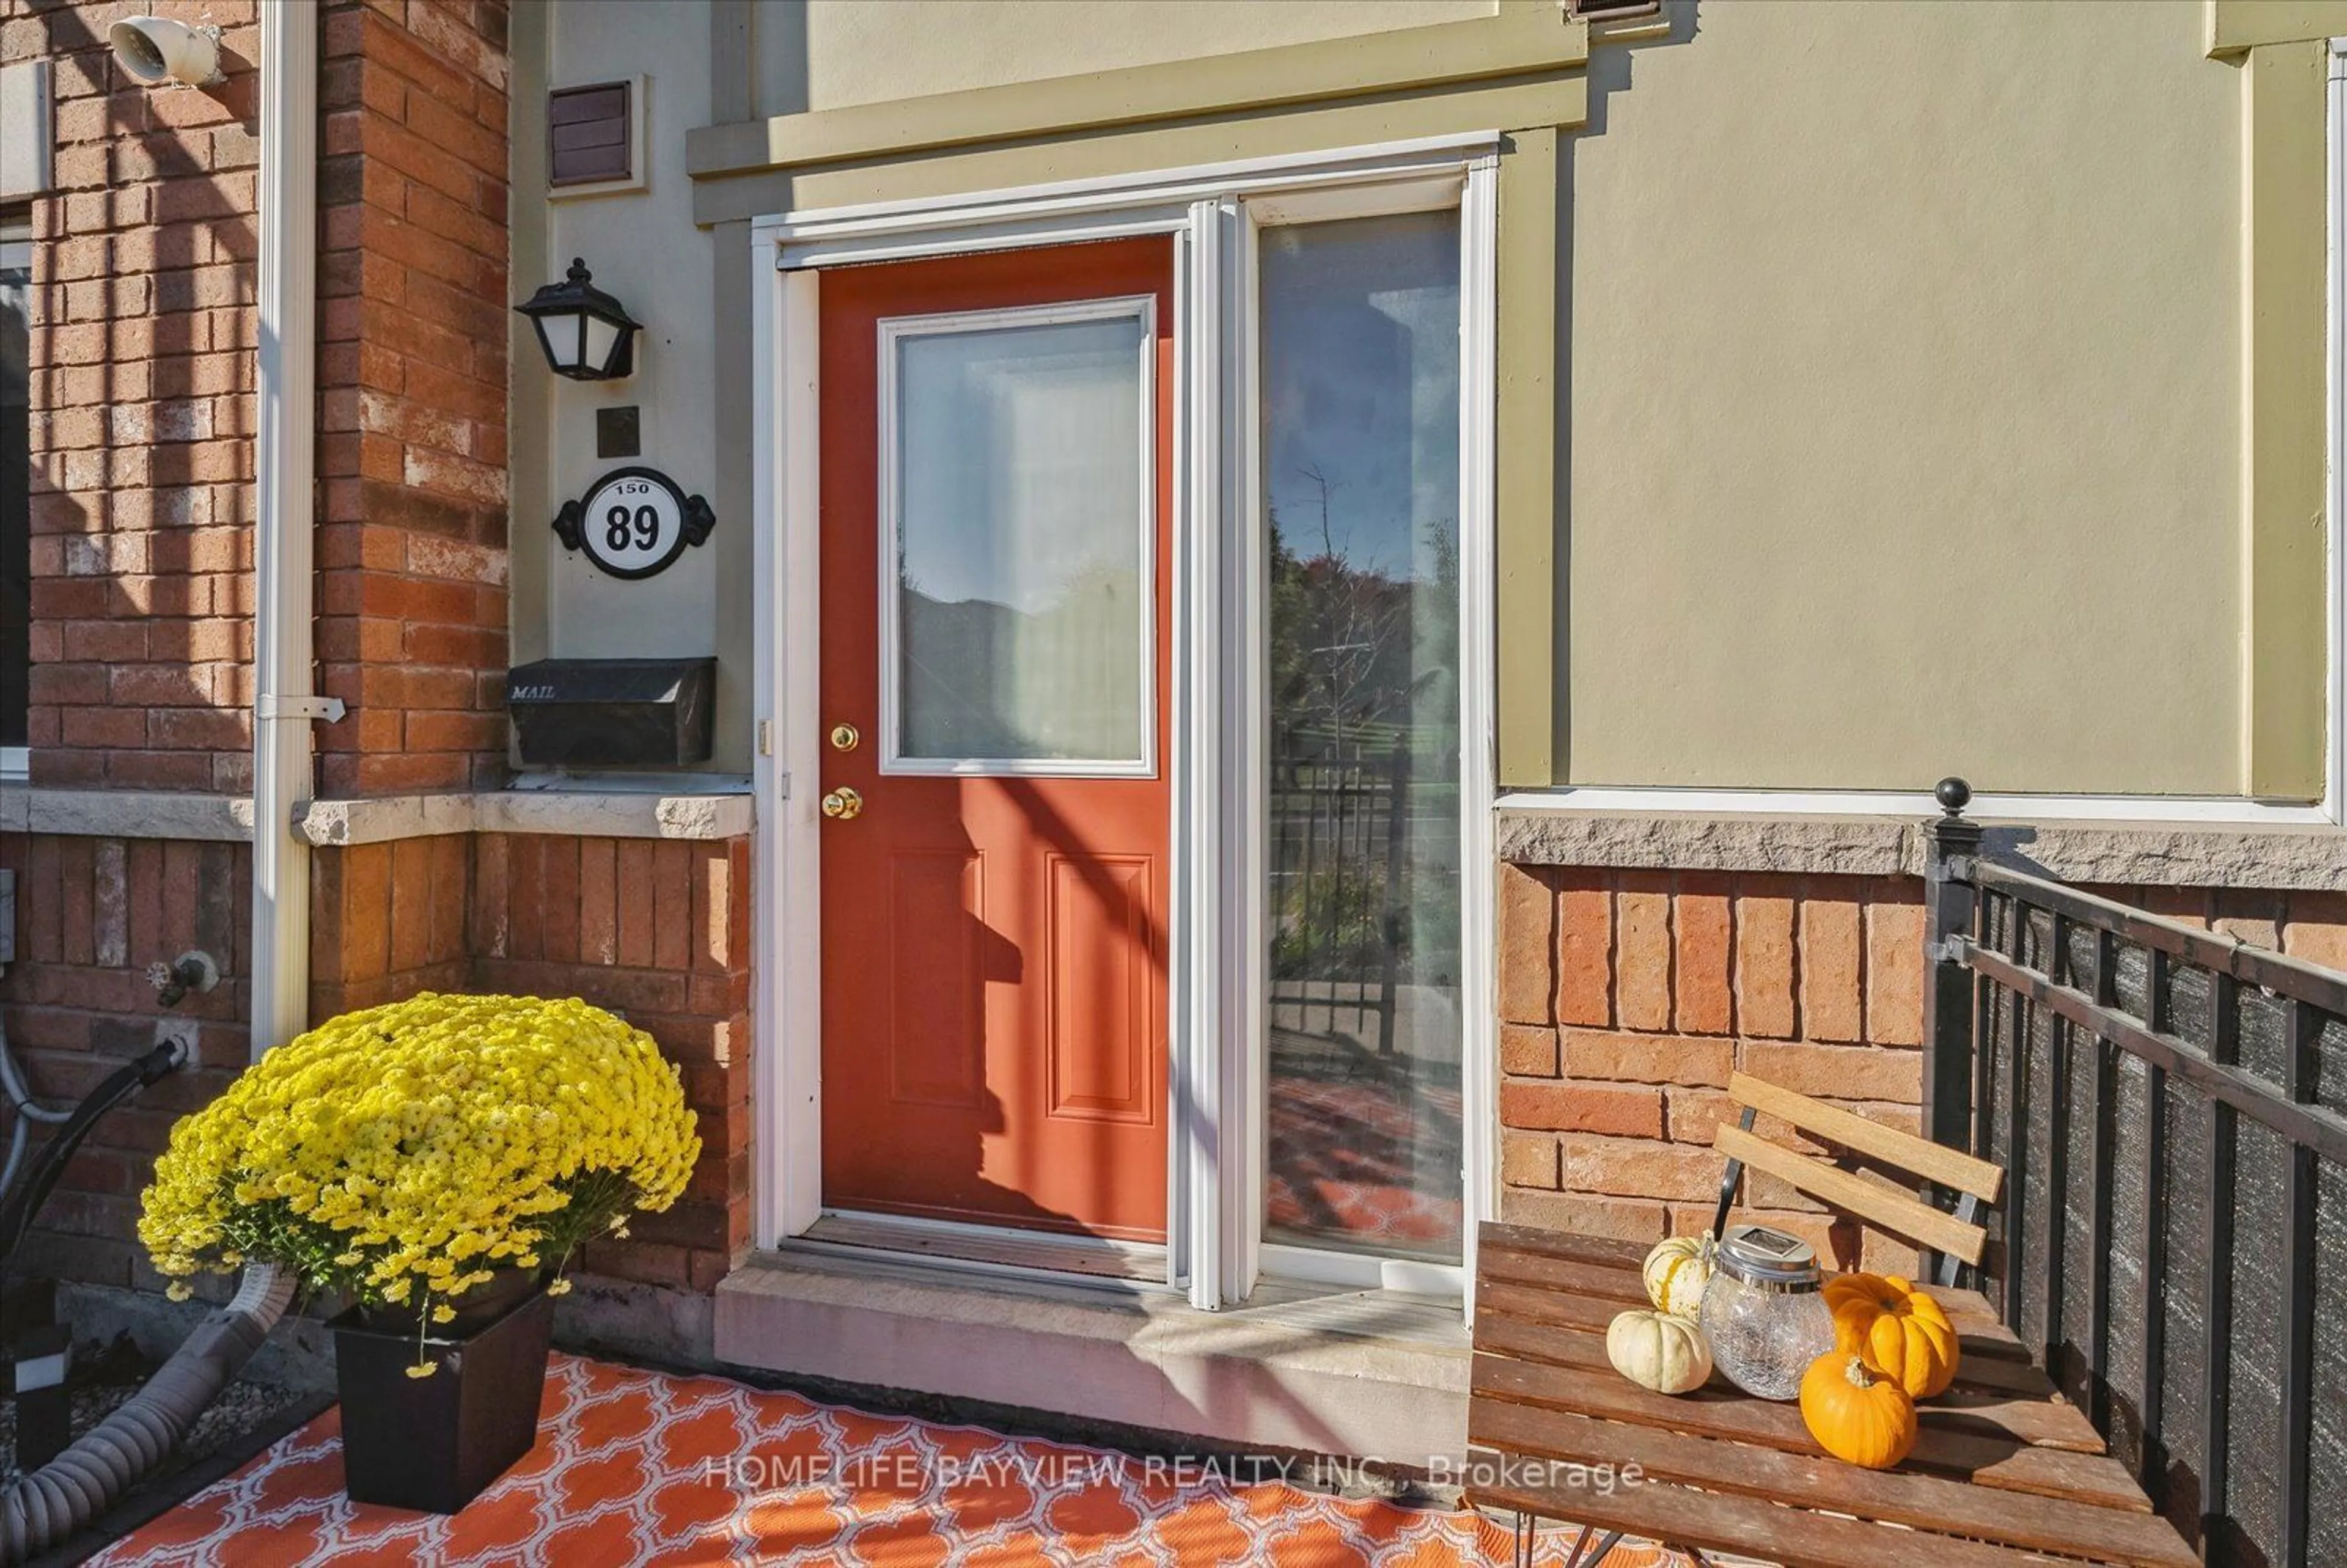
825	54
1904	402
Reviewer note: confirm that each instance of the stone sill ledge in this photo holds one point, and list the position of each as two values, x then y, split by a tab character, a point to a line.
583	814
1339	1372
216	818
126	814
2149	854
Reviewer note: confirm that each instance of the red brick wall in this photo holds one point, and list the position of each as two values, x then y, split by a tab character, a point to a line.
656	930
659	930
388	920
91	915
412	280
2309	926
142	360
1627	996
142	411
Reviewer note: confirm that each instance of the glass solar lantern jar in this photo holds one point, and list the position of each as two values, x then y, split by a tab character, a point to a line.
1764	1312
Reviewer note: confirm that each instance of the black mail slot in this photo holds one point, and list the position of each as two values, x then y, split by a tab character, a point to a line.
613	712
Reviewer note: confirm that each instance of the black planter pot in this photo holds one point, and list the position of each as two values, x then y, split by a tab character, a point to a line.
434	1444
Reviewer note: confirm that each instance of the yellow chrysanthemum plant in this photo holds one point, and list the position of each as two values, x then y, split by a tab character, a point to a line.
403	1155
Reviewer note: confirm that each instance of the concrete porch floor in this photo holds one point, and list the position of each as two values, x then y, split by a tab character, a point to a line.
1349	1373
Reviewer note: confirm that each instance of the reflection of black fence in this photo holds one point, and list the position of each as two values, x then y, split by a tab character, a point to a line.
2168	1104
1335	846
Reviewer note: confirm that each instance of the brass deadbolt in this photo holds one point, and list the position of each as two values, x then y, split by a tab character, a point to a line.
844	737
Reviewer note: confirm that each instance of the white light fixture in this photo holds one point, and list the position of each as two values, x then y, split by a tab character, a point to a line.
154	49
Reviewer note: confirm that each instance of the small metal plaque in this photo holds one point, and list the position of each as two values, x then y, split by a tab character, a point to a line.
620	432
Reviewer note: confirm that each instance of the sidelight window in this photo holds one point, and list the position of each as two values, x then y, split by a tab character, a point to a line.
1359	332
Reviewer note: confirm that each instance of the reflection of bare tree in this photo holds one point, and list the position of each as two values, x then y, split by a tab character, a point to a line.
1353	617
1359	623
1345	640
1364	740
1321	482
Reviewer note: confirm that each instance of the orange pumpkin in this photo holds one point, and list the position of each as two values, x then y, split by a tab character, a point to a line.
1903	1333
1856	1414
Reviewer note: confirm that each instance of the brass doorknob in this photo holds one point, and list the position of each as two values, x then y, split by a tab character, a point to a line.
843	804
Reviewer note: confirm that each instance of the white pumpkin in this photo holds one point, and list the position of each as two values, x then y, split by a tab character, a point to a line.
1677	1273
1659	1350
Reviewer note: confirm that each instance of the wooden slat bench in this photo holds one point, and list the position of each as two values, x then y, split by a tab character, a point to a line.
2003	1472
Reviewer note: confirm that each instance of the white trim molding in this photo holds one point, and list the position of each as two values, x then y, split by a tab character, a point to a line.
1210	1142
2334	295
786	862
1215	1218
1110	207
27	132
1478	681
1365	1271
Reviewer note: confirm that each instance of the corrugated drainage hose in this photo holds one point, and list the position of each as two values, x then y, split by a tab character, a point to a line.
47	1507
24	1203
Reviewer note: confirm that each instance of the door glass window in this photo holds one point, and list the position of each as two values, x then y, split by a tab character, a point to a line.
1360	399
1017	482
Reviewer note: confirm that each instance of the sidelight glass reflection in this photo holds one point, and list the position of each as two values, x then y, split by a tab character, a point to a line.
1360	399
1022	522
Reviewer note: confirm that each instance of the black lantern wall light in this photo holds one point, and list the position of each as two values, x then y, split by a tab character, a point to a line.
586	335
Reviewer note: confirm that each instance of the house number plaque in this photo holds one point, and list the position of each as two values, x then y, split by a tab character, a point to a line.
634	523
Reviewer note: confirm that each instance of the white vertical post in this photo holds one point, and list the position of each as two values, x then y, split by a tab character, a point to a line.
1197	1015
1478	683
284	465
786	876
1246	770
1180	1223
2334	783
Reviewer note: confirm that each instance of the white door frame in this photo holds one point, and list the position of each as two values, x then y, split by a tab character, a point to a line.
1215	981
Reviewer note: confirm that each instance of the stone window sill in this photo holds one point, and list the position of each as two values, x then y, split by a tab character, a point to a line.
221	818
2152	854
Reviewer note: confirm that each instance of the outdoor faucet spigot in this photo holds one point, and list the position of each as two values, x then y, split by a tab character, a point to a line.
190	971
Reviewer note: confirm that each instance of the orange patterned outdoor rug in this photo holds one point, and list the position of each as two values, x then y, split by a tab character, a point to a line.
640	1468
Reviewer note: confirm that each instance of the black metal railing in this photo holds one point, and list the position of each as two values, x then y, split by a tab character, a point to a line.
1335	846
2167	1103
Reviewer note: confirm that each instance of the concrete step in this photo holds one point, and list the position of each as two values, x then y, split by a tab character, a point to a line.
1366	1374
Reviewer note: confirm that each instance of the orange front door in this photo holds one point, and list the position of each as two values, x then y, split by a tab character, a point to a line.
996	457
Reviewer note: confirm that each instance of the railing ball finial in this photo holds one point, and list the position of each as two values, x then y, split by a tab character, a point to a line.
1954	794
